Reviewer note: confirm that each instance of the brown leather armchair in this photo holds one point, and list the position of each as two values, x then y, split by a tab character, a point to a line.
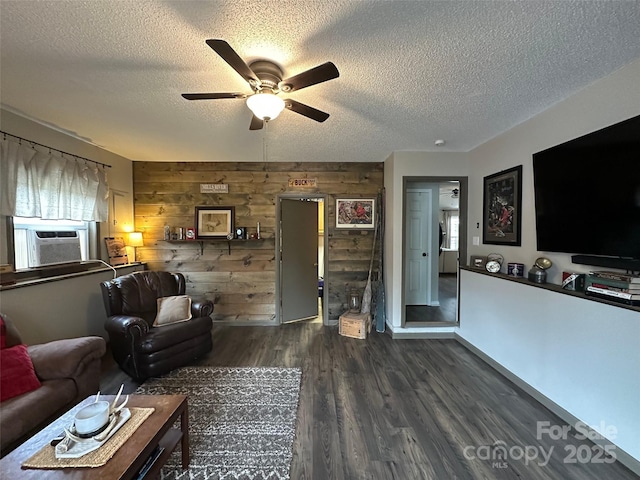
141	349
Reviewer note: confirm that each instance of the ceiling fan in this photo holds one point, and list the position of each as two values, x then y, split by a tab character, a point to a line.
265	79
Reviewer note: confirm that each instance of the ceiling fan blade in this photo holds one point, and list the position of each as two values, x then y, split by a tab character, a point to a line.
319	74
256	123
212	96
306	110
230	56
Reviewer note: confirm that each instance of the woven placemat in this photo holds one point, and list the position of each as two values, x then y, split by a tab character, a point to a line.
46	457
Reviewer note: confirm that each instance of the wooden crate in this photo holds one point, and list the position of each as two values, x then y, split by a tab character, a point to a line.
354	325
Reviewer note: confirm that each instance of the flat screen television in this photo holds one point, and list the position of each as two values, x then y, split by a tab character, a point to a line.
587	194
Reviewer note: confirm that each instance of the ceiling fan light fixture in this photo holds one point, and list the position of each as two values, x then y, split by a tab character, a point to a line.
265	105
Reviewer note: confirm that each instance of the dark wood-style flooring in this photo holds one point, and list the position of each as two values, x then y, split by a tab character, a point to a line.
401	409
446	311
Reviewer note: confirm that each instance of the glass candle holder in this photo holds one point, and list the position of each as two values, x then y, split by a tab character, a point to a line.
354	301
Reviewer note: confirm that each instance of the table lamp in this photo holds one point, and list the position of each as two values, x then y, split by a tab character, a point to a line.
135	240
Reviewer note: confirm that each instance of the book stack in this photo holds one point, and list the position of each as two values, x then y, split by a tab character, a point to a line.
619	287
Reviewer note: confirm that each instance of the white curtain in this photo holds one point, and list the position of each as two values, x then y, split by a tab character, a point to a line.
447	214
51	186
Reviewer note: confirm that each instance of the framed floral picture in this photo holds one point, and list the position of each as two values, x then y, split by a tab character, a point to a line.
356	213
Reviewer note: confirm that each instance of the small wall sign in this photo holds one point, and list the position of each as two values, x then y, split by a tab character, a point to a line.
214	188
303	182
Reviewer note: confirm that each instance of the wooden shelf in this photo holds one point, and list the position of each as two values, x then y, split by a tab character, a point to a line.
201	242
552	287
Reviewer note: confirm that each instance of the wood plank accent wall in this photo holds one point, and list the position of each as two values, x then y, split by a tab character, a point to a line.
242	283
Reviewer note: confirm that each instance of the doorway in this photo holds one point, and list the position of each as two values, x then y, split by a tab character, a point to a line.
434	241
301	263
419	260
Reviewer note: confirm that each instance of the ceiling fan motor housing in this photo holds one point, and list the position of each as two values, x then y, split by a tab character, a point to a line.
269	73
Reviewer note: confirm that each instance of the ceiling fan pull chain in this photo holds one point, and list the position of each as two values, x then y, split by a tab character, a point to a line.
264	142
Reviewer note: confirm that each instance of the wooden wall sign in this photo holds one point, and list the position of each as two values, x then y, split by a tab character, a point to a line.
214	188
303	182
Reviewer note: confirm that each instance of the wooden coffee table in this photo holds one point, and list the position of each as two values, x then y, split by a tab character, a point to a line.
129	459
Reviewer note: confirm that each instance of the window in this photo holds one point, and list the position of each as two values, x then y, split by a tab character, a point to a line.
41	242
453	232
38	182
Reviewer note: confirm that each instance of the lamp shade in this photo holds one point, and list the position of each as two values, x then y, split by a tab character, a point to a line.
265	105
135	239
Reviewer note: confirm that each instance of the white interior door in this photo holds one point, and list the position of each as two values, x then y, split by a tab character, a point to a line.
298	260
417	268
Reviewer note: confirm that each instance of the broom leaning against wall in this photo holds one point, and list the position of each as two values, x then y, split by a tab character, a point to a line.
380	310
379	314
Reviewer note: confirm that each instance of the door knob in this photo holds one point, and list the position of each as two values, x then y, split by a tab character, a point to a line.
424	254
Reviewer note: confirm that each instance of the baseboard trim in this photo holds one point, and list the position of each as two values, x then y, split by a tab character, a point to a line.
260	323
422	335
245	323
623	457
430	324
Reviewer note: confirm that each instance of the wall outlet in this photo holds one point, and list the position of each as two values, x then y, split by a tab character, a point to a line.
476	240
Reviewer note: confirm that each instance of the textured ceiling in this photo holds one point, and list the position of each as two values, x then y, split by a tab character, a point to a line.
411	72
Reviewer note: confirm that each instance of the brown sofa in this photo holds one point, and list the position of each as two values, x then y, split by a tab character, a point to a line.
69	371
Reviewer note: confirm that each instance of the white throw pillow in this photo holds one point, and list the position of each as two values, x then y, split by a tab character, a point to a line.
172	310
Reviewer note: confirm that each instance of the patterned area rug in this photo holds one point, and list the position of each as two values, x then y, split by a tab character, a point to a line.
242	421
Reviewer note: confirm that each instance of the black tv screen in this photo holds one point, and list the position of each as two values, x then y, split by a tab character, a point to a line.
587	193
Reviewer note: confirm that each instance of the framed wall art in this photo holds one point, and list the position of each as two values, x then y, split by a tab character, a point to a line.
214	222
478	261
502	207
355	213
117	251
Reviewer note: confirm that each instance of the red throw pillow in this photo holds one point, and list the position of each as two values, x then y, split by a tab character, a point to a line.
17	375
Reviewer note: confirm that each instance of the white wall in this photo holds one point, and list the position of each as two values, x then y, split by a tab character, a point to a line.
608	101
396	168
64	308
580	354
605	102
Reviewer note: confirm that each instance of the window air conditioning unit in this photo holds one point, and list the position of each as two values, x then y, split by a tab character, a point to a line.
47	247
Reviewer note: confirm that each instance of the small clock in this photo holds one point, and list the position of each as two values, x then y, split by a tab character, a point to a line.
241	232
190	234
494	262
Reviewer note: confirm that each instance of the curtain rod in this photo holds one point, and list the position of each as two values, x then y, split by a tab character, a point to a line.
20	139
